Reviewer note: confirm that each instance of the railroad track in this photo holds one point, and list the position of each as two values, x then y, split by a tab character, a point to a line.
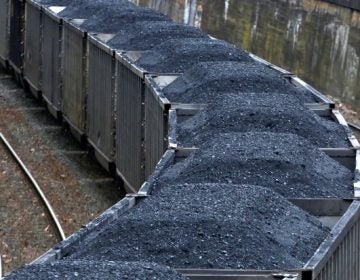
36	187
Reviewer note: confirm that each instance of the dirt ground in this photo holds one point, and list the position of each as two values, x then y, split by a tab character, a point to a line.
76	186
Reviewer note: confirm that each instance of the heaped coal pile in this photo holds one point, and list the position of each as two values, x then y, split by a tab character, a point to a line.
114	19
210	226
95	270
261	112
55	2
83	9
178	55
148	34
285	163
208	79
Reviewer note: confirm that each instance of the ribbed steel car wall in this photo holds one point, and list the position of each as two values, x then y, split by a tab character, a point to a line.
4	31
100	100
32	49
51	59
345	262
16	51
156	126
339	257
74	78
129	127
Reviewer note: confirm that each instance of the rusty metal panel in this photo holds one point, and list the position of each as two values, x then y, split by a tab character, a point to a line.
32	47
4	31
129	127
16	51
100	100
51	58
74	75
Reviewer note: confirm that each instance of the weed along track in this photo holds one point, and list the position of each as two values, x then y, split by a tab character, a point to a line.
234	167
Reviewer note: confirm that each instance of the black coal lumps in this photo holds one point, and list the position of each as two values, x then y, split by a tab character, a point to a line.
148	34
208	79
285	163
115	19
211	226
55	2
83	9
176	56
260	112
95	270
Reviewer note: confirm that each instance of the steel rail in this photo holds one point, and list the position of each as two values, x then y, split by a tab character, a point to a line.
36	186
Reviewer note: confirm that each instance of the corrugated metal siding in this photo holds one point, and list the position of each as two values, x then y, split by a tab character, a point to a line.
100	101
129	126
74	78
156	127
51	58
32	50
16	33
4	29
345	261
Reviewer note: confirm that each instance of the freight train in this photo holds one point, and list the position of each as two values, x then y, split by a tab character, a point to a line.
234	167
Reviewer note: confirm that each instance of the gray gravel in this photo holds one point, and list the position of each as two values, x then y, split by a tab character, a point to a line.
147	35
96	270
261	112
210	226
176	56
208	79
285	163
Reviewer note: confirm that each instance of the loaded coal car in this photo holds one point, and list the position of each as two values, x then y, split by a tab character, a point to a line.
33	36
100	121
52	43
140	36
249	88
130	75
74	59
246	187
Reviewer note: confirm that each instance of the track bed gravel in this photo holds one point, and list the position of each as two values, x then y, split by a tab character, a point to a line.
178	55
73	182
210	226
260	112
96	270
206	80
285	163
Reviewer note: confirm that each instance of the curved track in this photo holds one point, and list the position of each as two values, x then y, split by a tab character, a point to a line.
36	186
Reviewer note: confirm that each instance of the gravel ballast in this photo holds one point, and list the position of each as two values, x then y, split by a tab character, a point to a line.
261	112
210	226
146	35
208	79
285	163
178	55
95	270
